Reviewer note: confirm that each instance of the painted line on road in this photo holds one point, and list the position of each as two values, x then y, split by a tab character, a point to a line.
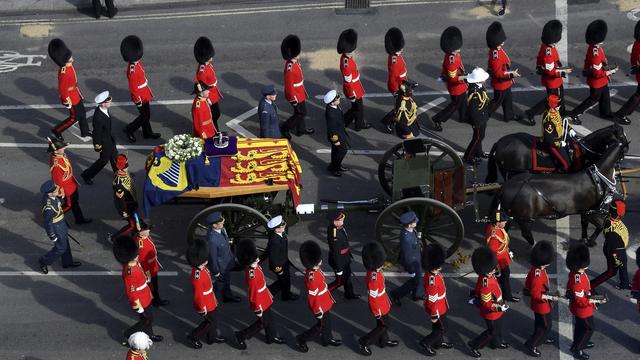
72	146
565	329
235	123
397	274
374	152
431	104
76	273
562	11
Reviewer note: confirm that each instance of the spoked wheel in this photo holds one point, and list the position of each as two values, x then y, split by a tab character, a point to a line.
438	223
240	222
441	154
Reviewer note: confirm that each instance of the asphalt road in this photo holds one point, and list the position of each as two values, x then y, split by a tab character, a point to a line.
77	317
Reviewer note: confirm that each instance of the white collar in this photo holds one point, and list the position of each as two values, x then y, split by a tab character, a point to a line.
105	111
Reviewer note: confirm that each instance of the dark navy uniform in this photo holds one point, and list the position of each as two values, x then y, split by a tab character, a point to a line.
56	228
477	116
336	134
278	252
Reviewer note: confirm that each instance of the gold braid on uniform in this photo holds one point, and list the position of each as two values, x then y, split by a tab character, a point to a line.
483	97
410	114
555	118
124	181
619	228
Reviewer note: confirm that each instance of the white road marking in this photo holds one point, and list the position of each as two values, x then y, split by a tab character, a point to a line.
562	16
565	329
431	104
72	146
12	60
76	273
398	274
631	250
235	123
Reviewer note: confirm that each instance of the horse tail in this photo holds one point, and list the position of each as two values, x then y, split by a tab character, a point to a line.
492	167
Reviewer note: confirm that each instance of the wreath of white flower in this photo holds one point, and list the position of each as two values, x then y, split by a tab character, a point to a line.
183	147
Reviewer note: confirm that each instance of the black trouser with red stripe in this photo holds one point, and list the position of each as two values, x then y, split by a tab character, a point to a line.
76	113
612	269
493	335
74	206
582	331
631	104
143	121
264	322
542	105
459	103
504	98
296	120
436	337
355	113
322	326
127	229
596	96
215	114
208	327
144	324
474	149
541	329
379	335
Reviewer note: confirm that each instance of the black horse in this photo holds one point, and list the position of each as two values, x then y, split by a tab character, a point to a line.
511	154
527	196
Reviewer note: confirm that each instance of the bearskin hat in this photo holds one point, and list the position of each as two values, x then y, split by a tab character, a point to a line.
596	32
551	32
542	253
197	252
125	249
310	254
393	40
246	252
203	50
495	35
131	48
483	260
636	31
373	256
348	41
433	257
59	52
290	47
578	257
451	39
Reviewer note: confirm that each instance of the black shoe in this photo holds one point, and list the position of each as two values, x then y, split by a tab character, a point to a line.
130	136
333	342
219	340
231	298
276	340
88	134
501	346
74	264
342	168
474	352
591	243
530	118
445	345
581	355
427	349
575	120
152	136
156	338
159	302
84	221
533	351
622	120
501	12
194	342
364	349
550	341
240	341
353	296
86	179
513	299
395	299
484	155
364	126
301	345
43	267
623	287
336	173
57	135
389	127
392	343
285	132
437	126
417	298
291	297
590	345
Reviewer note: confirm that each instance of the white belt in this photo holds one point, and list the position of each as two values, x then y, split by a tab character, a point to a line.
215	84
208	292
141	287
404	74
152	259
356	79
298	84
323	291
262	289
143	85
499	299
436	297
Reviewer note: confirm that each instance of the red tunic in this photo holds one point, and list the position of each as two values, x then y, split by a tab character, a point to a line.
499	64
452	68
397	72
488	292
635	58
435	295
320	299
136	355
635	285
148	256
549	61
538	284
595	63
351	85
62	175
68	86
204	300
260	297
202	119
498	241
580	290
379	302
135	285
294	82
207	74
138	84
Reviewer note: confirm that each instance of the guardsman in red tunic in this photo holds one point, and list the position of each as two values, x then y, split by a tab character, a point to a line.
204	53
597	71
204	299
488	297
537	286
351	84
632	104
294	90
136	286
131	50
139	343
396	67
319	297
203	126
435	299
62	176
580	302
148	258
454	75
550	69
373	258
124	195
635	283
260	298
68	89
498	241
501	74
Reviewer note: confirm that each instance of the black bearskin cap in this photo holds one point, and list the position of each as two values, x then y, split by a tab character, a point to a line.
290	47
197	252
551	32
310	254
125	249
203	50
393	40
578	257
542	253
495	35
59	52
483	260
348	41
433	257
131	48
596	32
451	39
246	252
373	256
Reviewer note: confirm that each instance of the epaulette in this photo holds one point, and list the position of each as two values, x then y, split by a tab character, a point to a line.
63	70
393	59
311	275
197	274
537	273
140	243
198	104
132	67
595	51
548	51
346	62
201	68
432	280
374	275
485	282
452	59
128	270
289	66
495	54
577	278
252	273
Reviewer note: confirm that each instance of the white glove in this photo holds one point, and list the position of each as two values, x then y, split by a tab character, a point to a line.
412	274
572	133
339	273
504	307
140	310
563	143
511	254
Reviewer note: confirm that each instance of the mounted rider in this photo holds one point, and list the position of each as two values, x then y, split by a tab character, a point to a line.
556	133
